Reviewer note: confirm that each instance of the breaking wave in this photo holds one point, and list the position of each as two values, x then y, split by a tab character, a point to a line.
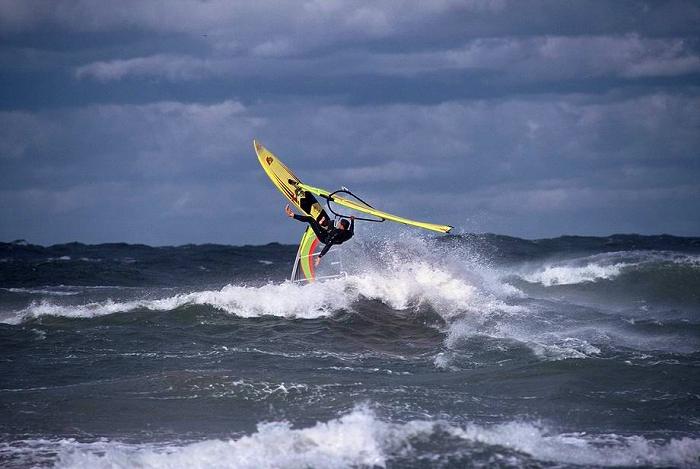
361	438
569	275
410	287
284	300
604	266
406	274
470	299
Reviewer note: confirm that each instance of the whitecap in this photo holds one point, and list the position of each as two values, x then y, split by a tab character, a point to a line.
360	438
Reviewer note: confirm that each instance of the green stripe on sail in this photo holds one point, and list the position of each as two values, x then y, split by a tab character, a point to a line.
306	248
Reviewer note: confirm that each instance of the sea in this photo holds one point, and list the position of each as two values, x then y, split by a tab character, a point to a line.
414	351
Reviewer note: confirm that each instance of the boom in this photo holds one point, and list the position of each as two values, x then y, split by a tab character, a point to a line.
364	208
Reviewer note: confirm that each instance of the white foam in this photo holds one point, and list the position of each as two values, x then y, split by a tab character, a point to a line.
569	274
600	266
564	348
414	284
410	271
360	438
285	300
686	259
351	440
42	291
399	284
47	308
579	448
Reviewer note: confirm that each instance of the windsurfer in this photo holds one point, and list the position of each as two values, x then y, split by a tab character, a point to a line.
325	231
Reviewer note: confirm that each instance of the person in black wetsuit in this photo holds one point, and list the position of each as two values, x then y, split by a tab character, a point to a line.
325	231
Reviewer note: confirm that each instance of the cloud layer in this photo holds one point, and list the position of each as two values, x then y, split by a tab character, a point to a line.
134	122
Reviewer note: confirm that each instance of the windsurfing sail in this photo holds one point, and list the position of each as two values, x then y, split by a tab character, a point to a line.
363	207
304	263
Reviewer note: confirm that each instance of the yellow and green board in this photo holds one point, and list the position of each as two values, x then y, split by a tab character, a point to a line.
286	181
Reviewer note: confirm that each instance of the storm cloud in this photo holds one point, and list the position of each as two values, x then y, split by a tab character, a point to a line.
133	121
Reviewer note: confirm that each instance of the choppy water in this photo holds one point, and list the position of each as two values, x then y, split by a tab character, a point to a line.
453	352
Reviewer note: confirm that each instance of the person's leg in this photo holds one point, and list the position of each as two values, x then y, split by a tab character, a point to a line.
306	202
304	218
321	232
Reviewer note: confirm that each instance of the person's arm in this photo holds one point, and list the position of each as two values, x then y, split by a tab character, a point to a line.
352	225
288	211
323	253
291	214
304	218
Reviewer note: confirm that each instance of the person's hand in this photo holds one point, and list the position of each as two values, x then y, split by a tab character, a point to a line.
352	217
288	211
317	261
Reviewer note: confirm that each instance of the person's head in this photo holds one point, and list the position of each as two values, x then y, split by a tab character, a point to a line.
344	224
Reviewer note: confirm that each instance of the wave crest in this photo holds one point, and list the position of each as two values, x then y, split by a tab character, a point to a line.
604	266
360	438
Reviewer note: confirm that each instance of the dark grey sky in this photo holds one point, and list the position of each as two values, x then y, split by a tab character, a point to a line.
133	120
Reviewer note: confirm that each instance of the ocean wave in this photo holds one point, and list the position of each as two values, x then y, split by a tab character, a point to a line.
284	300
410	285
568	275
470	305
471	299
43	291
361	438
467	339
597	267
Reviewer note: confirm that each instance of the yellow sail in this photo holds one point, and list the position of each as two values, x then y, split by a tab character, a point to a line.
360	207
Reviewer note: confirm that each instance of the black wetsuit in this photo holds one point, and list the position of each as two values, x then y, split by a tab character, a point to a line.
328	236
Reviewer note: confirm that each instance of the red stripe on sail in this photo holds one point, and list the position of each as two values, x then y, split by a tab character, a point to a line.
311	259
289	193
